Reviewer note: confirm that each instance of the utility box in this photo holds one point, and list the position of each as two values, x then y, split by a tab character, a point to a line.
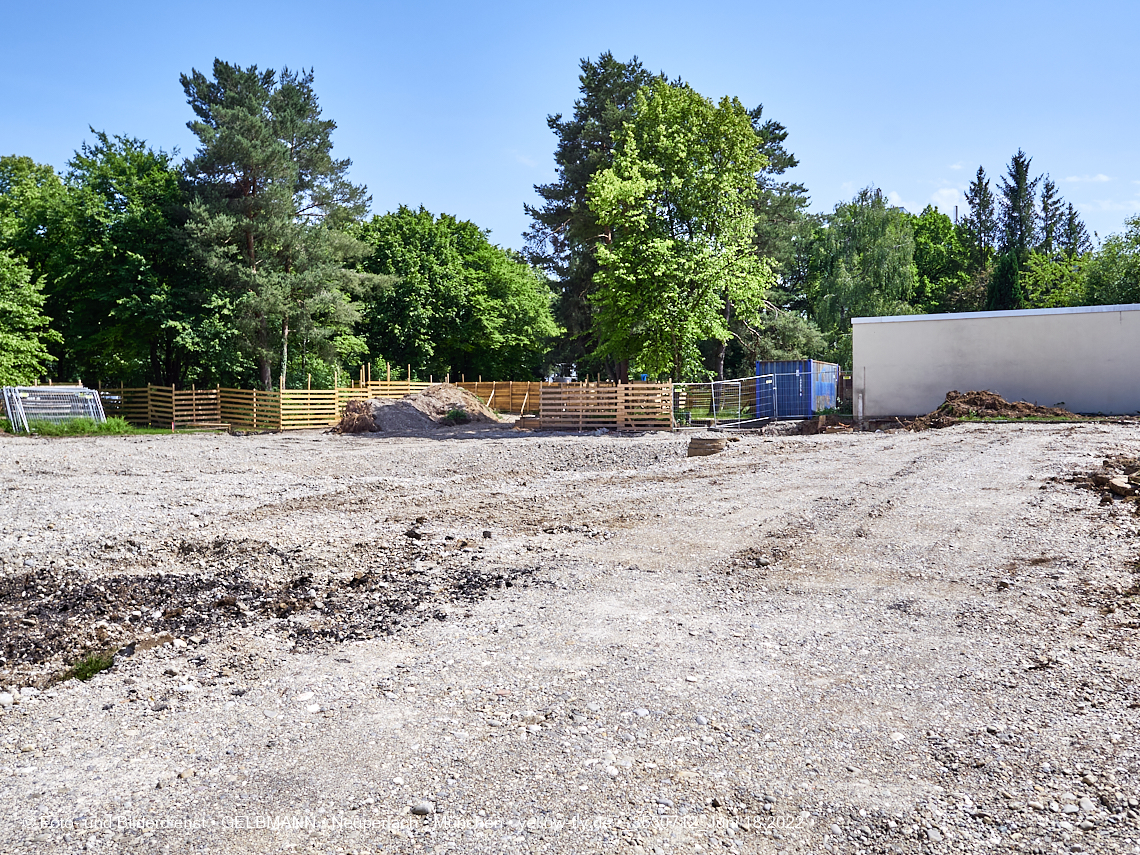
802	387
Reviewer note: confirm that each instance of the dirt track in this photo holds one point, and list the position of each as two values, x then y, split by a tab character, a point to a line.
888	642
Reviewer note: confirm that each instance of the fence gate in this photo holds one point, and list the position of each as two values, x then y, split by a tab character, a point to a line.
747	401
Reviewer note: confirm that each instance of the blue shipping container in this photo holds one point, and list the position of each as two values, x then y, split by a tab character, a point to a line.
803	388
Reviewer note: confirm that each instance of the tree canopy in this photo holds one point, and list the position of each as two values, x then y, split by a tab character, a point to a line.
677	215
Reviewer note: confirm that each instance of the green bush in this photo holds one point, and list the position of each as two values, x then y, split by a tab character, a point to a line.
458	417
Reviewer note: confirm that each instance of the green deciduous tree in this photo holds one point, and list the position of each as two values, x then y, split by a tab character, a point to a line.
1114	270
130	303
1051	281
269	208
563	237
863	266
677	215
942	263
453	302
24	331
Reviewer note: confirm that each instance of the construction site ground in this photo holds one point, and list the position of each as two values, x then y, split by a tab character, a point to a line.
490	640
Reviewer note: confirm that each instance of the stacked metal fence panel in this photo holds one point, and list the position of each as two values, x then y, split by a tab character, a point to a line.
26	405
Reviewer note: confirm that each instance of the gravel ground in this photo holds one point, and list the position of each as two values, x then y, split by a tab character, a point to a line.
498	641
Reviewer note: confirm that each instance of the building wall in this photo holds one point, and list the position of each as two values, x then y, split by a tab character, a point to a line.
1087	357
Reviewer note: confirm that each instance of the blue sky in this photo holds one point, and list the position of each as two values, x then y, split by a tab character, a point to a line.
445	104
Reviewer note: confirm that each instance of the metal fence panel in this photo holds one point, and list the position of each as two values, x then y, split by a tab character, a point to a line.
26	405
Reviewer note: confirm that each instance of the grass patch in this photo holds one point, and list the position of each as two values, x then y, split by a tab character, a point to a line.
88	667
114	426
82	427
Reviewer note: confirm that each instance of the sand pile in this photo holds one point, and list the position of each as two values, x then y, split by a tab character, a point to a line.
437	406
984	405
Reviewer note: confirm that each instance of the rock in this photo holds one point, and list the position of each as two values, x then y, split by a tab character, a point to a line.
835	829
6	700
641	712
934	835
304	696
1089	778
1121	487
701	720
423	808
313	708
612	771
1086	825
704	446
1087	804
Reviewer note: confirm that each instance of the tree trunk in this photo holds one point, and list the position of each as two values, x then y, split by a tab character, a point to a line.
723	347
284	348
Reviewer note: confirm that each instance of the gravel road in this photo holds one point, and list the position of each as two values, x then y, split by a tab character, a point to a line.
492	640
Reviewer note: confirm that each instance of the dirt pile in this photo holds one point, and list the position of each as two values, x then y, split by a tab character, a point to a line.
1117	478
984	405
441	405
824	424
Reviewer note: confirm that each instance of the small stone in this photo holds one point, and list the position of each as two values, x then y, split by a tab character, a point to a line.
486	535
1087	804
423	808
835	829
691	678
1089	778
399	782
934	835
701	720
313	708
1086	825
6	700
897	737
612	771
179	643
304	696
1070	809
187	773
641	712
159	706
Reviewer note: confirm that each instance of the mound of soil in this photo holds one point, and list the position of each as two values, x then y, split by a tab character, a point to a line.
824	424
984	405
416	413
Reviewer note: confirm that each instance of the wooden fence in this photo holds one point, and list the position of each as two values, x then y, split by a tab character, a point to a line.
589	406
560	406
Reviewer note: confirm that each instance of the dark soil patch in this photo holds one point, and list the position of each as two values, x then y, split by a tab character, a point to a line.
51	618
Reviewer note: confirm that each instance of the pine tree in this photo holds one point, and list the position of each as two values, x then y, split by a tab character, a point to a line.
1052	215
563	237
981	223
270	201
1073	237
1018	207
1005	284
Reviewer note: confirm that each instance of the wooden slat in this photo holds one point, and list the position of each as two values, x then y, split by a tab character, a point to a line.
625	407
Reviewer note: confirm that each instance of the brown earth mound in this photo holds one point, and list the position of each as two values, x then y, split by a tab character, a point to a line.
984	405
824	424
417	413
